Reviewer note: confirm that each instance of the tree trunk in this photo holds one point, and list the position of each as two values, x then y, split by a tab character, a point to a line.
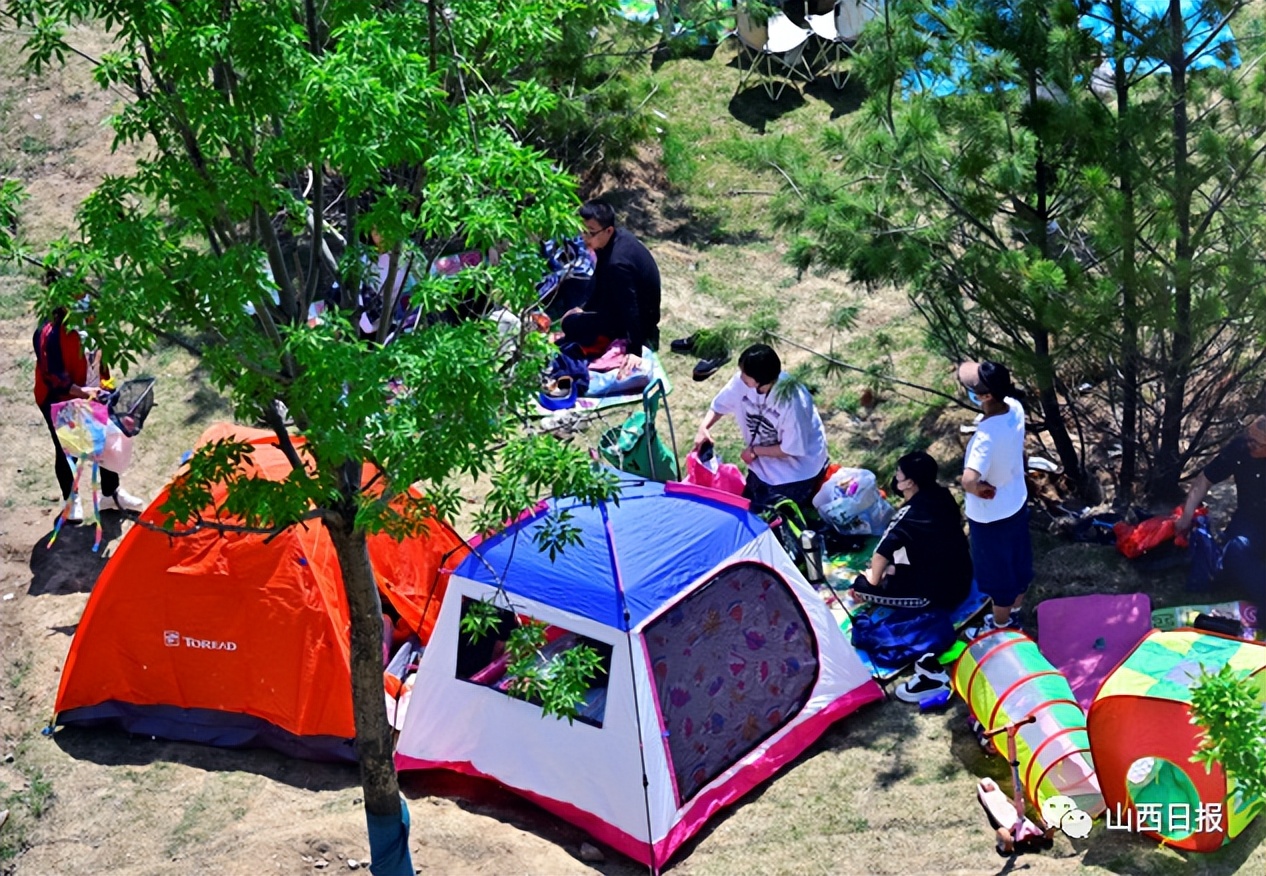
1163	483
1053	418
373	732
1052	415
1129	276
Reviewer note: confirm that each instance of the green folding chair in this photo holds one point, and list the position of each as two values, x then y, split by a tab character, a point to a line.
635	445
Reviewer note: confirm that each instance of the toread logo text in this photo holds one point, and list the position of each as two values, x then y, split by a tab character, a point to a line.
173	639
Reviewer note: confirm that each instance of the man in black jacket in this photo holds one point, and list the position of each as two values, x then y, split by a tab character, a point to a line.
624	301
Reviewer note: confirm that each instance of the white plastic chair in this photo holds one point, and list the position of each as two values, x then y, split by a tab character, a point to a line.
837	30
775	48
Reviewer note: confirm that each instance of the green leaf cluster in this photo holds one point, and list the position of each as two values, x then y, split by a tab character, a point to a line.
1230	708
283	147
292	158
557	682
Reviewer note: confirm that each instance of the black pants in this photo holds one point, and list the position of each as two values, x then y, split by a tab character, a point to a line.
765	496
901	589
586	327
65	477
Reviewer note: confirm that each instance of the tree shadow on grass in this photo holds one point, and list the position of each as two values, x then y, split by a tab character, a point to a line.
108	746
1127	853
487	798
842	101
652	208
207	402
69	565
683	47
753	107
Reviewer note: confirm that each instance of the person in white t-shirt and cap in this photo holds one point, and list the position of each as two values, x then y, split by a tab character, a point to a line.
785	450
997	496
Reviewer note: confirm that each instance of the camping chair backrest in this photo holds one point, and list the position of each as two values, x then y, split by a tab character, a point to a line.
652	397
851	16
636	447
750	34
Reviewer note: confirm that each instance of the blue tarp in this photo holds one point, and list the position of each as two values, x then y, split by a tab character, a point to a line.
656	542
1144	15
1149	15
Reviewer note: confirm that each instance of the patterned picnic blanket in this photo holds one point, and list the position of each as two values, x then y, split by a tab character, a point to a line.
584	404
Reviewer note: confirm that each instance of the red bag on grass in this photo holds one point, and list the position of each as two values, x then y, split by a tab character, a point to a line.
717	475
1134	540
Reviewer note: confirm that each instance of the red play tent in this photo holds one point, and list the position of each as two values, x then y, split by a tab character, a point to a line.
236	639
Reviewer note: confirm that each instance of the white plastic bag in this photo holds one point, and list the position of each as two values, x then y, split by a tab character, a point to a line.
851	503
846	494
117	453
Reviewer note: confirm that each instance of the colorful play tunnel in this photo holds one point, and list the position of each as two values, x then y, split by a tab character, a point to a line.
1143	740
1004	678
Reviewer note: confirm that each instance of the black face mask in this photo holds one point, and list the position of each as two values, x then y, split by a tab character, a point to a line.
896	491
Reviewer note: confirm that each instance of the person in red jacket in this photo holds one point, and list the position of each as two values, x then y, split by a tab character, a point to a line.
62	373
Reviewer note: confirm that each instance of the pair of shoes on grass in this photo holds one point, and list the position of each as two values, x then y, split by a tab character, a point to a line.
709	364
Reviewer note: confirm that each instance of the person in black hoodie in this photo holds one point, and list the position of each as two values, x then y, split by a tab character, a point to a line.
922	564
624	301
923	559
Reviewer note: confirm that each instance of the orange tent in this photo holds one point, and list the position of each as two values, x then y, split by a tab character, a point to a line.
235	639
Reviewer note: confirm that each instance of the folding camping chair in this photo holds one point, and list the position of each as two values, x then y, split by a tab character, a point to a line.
777	45
837	29
635	446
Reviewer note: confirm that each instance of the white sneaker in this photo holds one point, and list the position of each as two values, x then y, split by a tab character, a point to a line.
919	687
122	500
989	625
928	666
76	514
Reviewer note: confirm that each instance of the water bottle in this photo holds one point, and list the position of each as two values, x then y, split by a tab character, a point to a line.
811	551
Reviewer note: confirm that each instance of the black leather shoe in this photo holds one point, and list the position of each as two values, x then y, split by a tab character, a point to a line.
683	345
707	367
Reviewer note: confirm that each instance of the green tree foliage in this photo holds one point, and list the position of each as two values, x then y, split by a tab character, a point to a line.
594	70
1228	706
283	147
1081	234
1178	221
950	186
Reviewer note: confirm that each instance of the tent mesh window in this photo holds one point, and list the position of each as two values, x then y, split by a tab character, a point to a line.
482	660
732	663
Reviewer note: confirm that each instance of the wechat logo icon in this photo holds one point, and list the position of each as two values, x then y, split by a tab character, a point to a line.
1062	812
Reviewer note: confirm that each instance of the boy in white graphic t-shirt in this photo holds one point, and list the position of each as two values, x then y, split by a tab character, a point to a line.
785	448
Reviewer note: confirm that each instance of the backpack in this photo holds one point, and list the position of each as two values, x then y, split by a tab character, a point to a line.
899	636
48	351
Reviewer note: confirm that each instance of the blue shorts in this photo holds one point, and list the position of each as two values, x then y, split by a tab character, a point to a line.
1002	556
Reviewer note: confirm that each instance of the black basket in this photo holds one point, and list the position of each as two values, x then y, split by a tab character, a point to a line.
130	404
